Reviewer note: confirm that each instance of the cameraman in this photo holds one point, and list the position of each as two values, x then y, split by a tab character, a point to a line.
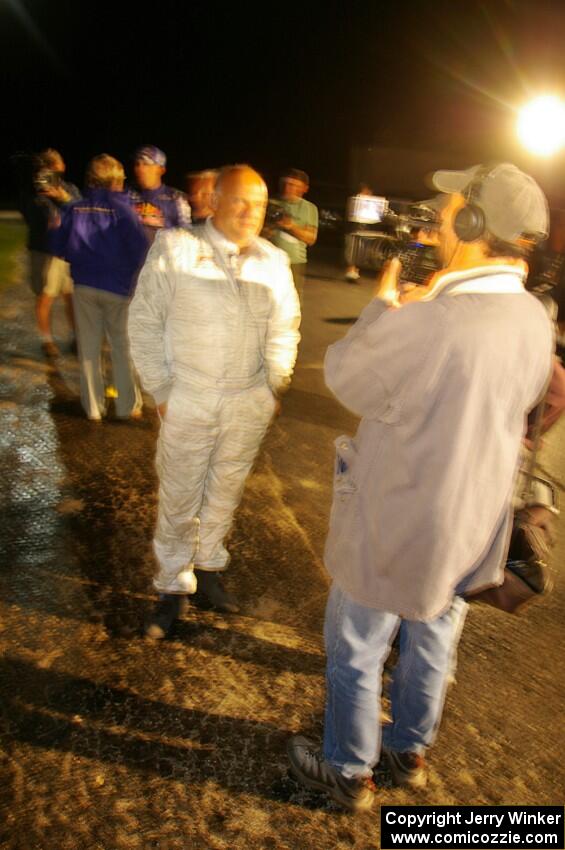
295	228
41	205
422	495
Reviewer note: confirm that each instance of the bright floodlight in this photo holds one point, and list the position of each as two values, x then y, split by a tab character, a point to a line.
541	125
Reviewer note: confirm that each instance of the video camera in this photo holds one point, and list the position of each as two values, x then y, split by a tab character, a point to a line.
275	211
404	235
45	179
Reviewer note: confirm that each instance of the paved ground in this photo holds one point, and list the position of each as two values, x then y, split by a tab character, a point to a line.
111	742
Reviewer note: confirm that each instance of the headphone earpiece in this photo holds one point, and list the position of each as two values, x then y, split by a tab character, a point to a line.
469	223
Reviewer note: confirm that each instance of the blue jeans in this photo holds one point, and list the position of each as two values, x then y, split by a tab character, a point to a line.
358	641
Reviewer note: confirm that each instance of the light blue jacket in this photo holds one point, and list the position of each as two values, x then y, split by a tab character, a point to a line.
422	494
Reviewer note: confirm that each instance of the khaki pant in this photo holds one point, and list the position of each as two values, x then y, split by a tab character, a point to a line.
299	275
98	314
49	275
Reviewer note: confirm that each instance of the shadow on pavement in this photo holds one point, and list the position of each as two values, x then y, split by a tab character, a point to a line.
60	712
109	518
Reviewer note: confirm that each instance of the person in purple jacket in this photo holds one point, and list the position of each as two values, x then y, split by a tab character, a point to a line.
156	204
103	240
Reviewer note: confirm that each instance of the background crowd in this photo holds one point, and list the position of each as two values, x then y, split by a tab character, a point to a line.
89	249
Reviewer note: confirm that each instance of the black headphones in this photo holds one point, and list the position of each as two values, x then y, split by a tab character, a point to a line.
470	223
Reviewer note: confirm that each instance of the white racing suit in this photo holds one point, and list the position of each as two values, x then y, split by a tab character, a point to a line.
215	346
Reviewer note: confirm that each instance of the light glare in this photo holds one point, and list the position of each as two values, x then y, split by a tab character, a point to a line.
541	125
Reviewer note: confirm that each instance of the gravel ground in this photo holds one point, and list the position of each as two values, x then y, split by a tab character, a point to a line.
110	741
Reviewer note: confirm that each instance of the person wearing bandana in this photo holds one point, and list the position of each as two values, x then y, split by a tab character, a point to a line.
156	204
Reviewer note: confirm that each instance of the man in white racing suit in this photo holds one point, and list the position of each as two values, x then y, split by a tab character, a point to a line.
214	332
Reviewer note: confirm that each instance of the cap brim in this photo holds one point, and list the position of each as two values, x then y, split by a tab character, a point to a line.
454	181
147	160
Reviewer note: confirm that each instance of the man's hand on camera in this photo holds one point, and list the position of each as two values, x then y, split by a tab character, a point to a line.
285	222
387	283
306	234
56	193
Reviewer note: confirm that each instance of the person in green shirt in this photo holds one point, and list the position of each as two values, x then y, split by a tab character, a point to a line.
295	225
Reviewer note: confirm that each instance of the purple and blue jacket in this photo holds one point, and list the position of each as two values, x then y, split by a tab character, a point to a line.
161	207
103	240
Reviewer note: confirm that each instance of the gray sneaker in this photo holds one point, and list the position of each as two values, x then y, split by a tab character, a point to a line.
407	768
310	768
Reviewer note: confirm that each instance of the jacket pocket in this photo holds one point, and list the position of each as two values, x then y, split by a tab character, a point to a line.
345	532
345	466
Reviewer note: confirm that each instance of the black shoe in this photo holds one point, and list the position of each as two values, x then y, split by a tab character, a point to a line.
211	586
170	607
50	350
73	347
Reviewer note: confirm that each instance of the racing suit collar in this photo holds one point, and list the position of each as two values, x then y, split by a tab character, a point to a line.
224	245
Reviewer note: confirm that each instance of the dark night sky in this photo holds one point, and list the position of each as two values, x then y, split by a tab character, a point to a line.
272	86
